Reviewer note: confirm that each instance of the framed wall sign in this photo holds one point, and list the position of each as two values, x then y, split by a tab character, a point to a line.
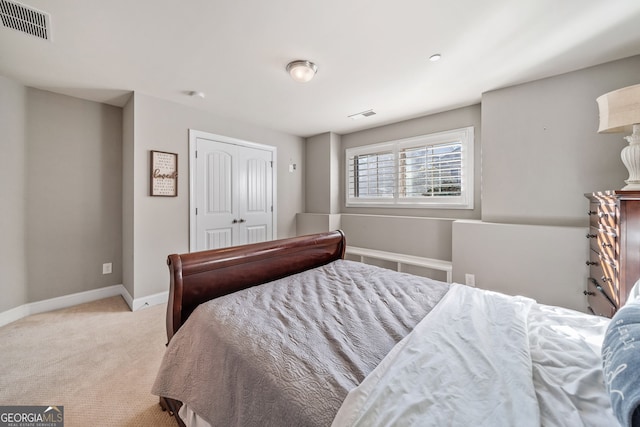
164	174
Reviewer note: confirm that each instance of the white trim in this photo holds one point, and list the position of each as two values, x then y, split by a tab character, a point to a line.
149	300
65	301
127	298
14	314
59	302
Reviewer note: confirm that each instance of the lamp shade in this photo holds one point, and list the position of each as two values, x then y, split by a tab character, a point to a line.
619	110
302	71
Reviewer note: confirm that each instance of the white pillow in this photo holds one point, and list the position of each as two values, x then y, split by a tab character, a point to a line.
634	295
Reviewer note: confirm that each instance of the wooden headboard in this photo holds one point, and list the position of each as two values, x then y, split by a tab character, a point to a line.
201	276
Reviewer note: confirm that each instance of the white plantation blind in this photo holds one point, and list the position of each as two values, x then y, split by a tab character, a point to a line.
434	170
431	171
373	175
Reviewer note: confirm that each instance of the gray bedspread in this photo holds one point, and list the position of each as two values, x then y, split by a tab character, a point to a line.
286	353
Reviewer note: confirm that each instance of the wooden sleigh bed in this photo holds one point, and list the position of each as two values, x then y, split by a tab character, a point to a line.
198	277
340	331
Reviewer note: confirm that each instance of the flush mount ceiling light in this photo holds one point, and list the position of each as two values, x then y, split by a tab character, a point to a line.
435	57
301	70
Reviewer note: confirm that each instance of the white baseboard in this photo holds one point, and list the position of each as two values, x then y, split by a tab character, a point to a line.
148	301
127	297
14	314
58	303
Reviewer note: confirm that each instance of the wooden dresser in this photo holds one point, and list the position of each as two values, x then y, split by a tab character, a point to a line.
614	236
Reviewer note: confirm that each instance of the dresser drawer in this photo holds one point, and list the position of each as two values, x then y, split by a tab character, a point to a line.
606	274
603	215
599	302
606	244
594	262
601	268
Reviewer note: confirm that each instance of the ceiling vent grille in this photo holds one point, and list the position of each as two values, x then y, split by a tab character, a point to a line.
362	115
25	19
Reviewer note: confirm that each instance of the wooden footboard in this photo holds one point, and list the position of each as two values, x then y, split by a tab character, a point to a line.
201	276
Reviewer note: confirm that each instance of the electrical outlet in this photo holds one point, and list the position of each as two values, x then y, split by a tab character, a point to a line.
470	279
106	268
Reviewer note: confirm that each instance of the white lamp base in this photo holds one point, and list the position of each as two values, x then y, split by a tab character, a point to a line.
631	186
630	156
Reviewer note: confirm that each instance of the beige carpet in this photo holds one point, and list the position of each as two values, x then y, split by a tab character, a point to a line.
98	360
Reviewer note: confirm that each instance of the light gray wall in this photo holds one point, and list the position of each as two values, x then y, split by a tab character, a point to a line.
318	174
73	194
335	141
61	192
541	262
128	230
13	257
419	236
540	147
322	174
161	224
311	223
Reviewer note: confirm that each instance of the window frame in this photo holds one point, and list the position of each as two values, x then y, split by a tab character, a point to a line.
465	201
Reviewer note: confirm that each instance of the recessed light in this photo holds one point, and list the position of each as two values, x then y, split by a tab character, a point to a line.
435	57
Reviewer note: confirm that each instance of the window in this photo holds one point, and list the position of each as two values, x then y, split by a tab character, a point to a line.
428	171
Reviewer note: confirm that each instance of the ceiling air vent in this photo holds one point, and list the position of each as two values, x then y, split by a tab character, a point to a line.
26	19
362	115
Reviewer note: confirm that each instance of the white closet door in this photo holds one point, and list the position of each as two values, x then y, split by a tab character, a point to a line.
255	195
216	204
233	194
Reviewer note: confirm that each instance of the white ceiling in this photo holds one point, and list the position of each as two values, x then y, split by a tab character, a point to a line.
371	54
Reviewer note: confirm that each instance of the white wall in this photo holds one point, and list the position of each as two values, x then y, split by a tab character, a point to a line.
161	224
